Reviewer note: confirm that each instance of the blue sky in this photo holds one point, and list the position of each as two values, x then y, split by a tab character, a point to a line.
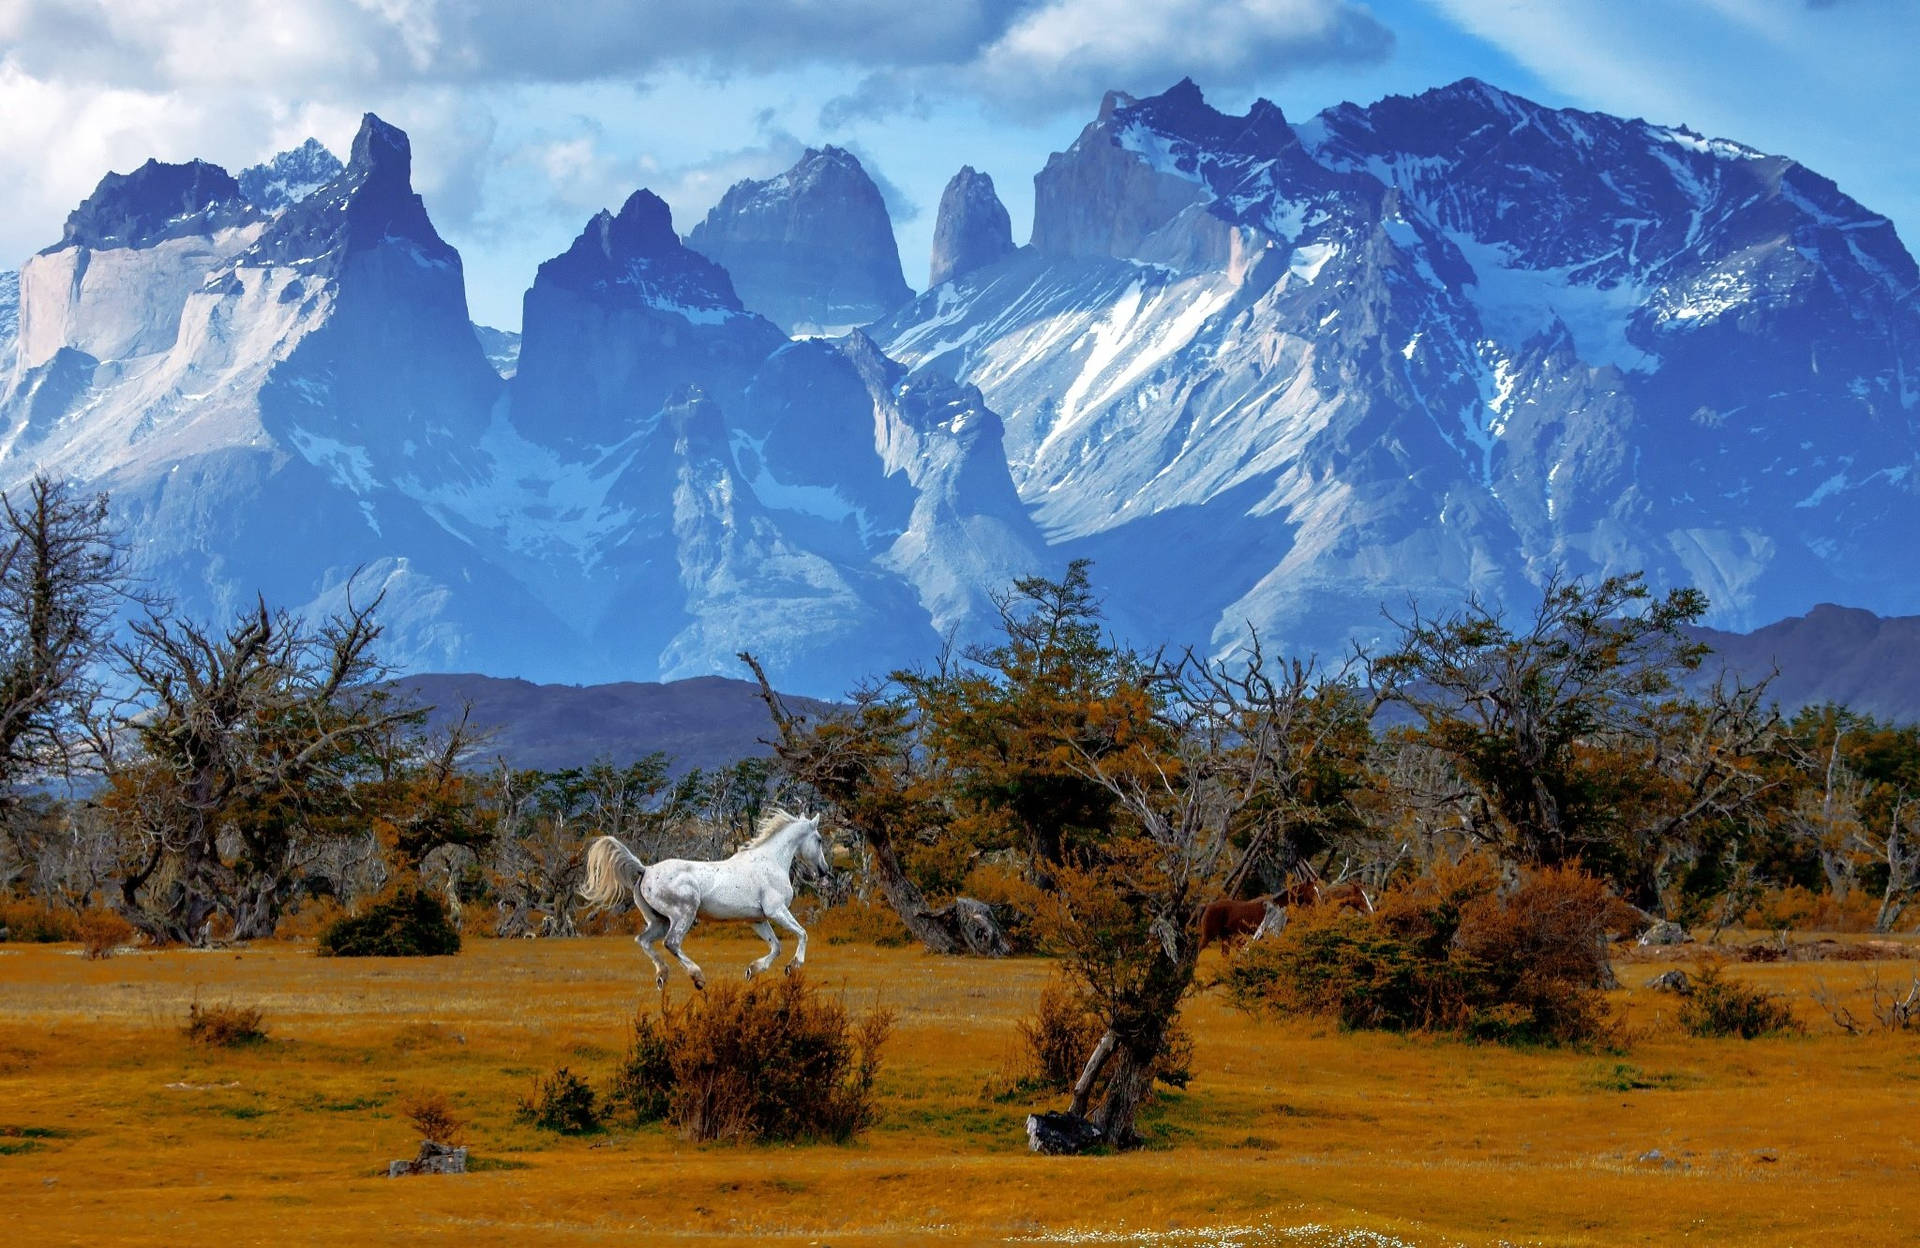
527	119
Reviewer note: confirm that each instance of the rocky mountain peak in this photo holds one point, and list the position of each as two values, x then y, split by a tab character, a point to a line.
972	230
812	249
157	201
1171	160
275	185
369	203
635	256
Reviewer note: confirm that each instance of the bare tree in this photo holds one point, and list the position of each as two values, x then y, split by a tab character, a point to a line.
63	577
243	754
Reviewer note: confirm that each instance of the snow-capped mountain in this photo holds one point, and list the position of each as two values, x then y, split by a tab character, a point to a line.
288	396
1261	373
278	184
812	249
1441	344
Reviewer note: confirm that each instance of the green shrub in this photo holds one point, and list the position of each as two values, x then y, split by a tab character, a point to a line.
410	923
1719	1006
769	1060
644	1082
1449	952
562	1102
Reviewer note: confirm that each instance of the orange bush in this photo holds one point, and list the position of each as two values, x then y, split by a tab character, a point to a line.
858	922
1803	910
38	922
1449	951
769	1060
433	1116
103	931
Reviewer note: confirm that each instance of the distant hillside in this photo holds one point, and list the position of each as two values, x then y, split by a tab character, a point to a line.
1831	654
708	721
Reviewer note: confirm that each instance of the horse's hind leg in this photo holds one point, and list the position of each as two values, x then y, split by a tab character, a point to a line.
677	930
784	917
655	929
765	931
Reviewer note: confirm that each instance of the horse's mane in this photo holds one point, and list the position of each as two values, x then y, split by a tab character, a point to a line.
770	823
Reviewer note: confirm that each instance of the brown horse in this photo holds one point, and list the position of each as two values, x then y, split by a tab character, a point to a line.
1231	921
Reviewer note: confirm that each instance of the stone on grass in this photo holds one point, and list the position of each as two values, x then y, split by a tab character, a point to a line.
433	1159
1060	1134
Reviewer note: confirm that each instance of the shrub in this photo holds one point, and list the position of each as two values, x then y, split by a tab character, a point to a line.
432	1116
1057	1039
103	931
644	1081
859	921
1016	903
561	1102
409	923
1802	909
1719	1006
769	1060
1448	952
36	922
225	1026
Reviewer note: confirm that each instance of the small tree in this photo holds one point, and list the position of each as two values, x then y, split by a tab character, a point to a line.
1211	764
1542	720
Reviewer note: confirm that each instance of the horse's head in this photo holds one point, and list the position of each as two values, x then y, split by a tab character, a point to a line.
814	848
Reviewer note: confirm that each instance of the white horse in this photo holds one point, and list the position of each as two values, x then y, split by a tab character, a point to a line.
754	886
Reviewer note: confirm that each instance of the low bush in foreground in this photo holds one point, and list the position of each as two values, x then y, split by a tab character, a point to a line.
410	923
771	1060
225	1026
1449	952
1718	1006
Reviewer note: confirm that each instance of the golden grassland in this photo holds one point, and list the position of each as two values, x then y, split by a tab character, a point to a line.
114	1128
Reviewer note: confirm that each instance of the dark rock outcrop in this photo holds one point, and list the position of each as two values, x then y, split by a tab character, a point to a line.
812	249
973	229
622	319
155	202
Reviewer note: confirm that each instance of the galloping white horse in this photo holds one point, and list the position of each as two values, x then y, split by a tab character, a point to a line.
753	886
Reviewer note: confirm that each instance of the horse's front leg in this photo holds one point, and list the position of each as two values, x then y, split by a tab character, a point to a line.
784	917
766	933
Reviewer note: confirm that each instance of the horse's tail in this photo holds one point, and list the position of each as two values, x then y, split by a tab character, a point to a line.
612	870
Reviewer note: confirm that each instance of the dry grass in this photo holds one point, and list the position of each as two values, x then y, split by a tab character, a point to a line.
115	1128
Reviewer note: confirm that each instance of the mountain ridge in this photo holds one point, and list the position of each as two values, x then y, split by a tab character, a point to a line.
1265	373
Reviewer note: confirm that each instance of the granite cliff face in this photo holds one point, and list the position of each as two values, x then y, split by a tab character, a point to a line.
972	230
812	250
